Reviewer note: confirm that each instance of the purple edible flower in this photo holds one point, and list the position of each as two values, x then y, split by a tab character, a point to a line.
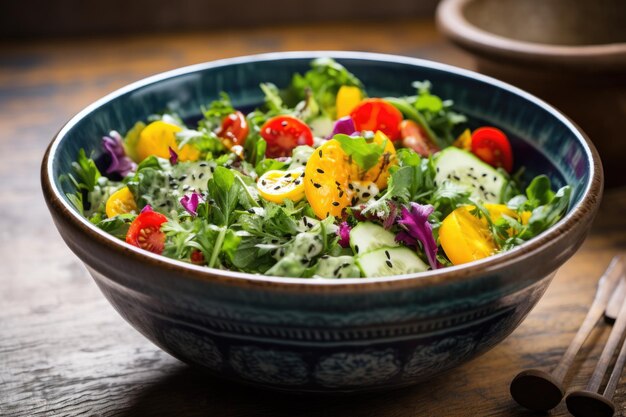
344	234
120	163
190	202
345	126
173	156
146	208
417	228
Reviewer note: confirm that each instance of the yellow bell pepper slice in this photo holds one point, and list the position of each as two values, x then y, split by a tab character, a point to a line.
156	139
347	99
464	141
120	202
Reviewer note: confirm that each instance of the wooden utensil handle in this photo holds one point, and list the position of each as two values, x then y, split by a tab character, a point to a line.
606	287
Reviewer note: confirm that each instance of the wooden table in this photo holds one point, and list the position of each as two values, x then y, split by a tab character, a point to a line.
64	350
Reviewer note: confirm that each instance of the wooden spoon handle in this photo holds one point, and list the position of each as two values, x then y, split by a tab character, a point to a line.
616	374
606	285
617	332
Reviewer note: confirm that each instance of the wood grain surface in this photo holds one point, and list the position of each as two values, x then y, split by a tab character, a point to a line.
65	351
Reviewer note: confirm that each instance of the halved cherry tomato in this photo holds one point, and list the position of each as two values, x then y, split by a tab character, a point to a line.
158	137
145	232
283	133
331	177
276	185
466	238
197	257
120	202
492	146
414	137
234	128
377	114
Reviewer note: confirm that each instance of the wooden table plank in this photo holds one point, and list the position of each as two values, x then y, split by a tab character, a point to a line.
64	350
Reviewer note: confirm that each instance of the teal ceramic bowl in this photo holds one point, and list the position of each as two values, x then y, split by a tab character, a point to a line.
349	335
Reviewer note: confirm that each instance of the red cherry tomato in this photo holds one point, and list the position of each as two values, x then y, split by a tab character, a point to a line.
145	232
234	129
414	137
197	257
492	146
377	114
283	133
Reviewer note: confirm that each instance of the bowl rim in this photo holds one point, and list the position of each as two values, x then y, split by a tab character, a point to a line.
587	206
452	23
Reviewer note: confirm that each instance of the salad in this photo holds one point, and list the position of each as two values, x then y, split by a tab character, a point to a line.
321	181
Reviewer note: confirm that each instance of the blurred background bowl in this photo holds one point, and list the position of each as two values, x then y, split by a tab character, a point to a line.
570	53
309	335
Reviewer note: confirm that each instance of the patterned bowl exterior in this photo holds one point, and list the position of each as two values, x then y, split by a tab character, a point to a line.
329	335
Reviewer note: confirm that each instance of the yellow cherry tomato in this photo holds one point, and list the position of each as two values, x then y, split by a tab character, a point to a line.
347	99
156	139
327	175
379	173
466	238
464	141
120	202
276	186
331	175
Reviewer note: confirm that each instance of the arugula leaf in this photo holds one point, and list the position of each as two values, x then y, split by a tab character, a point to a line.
269	164
86	171
118	225
539	191
365	154
224	190
273	101
213	115
205	141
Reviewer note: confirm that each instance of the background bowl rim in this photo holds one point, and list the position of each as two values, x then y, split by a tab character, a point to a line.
587	205
452	22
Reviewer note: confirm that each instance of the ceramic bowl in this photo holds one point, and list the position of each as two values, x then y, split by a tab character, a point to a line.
571	53
328	335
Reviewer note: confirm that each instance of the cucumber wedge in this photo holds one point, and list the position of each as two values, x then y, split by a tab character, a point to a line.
366	237
461	167
390	261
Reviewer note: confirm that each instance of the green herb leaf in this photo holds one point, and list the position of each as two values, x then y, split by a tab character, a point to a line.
364	154
224	190
86	171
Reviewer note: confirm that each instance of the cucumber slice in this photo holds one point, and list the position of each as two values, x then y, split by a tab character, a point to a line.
337	267
367	236
390	261
461	167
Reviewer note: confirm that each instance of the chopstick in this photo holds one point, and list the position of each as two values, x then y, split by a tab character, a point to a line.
538	390
588	402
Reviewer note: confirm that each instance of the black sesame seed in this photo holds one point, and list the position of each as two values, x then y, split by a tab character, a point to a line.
484	175
319	153
337	183
250	211
297	182
311	247
201	175
345	265
182	178
336	204
350	186
387	254
321	171
264	182
437	169
356	248
456	177
316	185
389	264
304	261
203	164
277	187
336	271
482	188
193	177
340	193
495	178
283	123
366	195
212	169
324	257
471	168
